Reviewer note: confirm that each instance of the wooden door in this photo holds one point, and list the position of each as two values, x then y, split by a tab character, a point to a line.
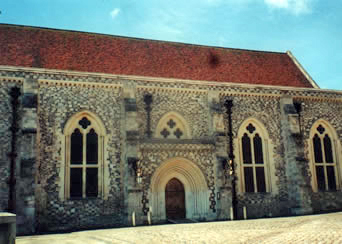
175	199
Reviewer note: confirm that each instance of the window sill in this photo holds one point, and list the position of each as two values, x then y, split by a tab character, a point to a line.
84	199
327	191
257	193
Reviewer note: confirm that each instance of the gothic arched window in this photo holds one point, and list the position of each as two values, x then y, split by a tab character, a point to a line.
172	126
323	159
84	158
254	168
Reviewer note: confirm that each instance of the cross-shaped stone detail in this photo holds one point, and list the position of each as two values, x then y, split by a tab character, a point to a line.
84	122
178	133
320	129
171	123
165	133
250	128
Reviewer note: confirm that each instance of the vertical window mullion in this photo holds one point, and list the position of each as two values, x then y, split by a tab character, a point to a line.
67	171
324	162
264	154
325	177
253	164
335	158
323	149
84	168
100	167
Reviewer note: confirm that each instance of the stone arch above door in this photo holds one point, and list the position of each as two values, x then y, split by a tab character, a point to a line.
195	187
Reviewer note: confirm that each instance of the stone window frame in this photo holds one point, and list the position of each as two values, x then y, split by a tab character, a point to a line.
268	158
180	122
69	128
336	152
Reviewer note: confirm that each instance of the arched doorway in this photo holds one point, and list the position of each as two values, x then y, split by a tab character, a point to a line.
192	181
174	199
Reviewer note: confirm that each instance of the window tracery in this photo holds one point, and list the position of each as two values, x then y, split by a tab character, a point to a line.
84	160
323	159
172	126
253	160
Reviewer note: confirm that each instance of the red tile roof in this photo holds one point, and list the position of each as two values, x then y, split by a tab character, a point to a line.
89	52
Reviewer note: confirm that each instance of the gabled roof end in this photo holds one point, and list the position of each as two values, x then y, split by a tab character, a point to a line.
301	68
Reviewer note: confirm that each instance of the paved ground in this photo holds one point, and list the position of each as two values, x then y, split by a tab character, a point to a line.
325	229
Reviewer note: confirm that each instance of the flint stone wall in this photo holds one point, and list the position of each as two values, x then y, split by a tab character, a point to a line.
313	110
57	103
6	139
56	106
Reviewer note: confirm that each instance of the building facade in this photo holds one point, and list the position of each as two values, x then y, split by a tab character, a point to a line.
103	131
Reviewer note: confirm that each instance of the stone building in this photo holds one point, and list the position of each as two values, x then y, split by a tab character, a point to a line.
96	129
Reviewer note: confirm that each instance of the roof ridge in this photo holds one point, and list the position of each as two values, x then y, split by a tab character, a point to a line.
141	38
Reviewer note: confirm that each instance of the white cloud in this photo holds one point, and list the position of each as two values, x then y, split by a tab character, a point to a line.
295	6
278	3
114	13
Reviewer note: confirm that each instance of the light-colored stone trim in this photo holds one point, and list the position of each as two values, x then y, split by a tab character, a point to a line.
77	83
176	147
11	79
213	84
172	84
301	68
318	99
250	94
168	89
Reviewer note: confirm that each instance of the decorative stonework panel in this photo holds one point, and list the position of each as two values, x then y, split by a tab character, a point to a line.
153	155
192	107
56	106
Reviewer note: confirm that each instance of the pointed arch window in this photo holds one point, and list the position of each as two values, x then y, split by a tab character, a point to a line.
253	165
324	159
172	126
84	157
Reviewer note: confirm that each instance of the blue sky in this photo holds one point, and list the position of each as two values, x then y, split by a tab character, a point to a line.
310	29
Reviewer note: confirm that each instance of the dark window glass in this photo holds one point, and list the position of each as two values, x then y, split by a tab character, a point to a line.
260	178
331	178
246	149
317	149
250	128
75	182
84	122
165	133
258	149
92	182
320	178
328	150
92	147
76	147
320	129
249	182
